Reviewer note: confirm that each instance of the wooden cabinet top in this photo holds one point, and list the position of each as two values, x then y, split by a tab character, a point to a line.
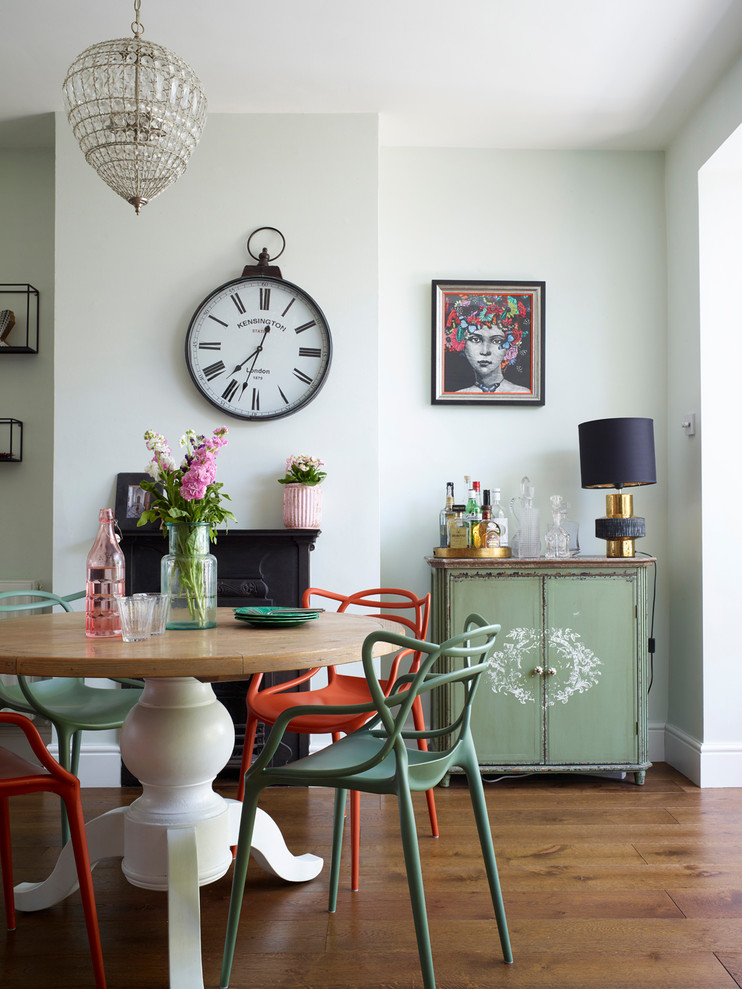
539	563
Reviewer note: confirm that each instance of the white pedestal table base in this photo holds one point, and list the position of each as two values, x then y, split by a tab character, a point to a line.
178	834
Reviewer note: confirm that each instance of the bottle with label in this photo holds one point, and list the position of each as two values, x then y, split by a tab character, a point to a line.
473	506
459	532
105	579
501	517
446	514
486	534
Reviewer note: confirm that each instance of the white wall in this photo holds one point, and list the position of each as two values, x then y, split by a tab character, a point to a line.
127	286
720	247
27	380
591	225
703	738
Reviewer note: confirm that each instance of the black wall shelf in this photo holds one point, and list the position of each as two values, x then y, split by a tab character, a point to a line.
11	441
19	332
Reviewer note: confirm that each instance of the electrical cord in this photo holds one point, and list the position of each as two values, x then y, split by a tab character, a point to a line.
650	641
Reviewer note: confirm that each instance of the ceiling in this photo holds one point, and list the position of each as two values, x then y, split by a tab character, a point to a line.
465	73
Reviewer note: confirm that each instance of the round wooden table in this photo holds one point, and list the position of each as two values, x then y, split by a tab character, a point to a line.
178	834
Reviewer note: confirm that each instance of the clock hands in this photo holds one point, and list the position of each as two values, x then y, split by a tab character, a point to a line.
254	357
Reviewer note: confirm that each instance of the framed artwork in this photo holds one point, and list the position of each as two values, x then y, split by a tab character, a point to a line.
131	501
488	343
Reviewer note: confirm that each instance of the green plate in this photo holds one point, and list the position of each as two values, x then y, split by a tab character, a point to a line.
271	617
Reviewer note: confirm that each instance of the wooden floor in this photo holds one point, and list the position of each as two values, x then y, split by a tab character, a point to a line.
607	885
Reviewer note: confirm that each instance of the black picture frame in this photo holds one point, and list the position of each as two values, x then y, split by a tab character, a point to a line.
475	322
131	501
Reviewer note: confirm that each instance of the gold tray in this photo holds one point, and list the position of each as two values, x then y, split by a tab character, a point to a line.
501	552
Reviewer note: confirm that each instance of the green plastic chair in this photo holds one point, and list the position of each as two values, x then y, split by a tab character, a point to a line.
67	702
375	759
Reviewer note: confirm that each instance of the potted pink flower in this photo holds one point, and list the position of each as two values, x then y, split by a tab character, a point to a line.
302	494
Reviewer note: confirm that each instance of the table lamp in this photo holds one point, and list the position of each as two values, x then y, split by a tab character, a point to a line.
618	453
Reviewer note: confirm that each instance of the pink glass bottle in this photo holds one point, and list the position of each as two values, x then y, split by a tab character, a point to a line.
105	579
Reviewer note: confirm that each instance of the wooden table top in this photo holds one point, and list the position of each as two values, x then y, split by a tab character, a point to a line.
56	645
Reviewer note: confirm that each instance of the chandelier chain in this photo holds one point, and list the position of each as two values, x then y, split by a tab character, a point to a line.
136	25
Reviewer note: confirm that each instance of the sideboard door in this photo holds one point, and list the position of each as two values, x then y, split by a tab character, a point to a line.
507	711
591	698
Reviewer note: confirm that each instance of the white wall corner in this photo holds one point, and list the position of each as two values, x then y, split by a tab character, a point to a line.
707	764
683	752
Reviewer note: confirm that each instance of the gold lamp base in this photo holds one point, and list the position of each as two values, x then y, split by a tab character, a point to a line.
620	527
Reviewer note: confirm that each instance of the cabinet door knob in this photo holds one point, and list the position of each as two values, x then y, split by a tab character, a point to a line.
551	671
538	671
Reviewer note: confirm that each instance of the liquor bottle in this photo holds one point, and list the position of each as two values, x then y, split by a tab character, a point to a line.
473	507
486	534
459	532
446	514
105	579
501	517
557	537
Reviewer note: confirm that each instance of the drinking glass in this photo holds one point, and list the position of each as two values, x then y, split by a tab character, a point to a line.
160	610
135	614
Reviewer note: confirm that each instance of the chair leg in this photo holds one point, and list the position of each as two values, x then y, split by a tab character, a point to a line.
6	864
244	844
355	839
75	756
415	883
418	720
476	790
338	823
69	759
247	746
84	876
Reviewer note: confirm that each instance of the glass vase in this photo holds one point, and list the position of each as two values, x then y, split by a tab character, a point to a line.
188	575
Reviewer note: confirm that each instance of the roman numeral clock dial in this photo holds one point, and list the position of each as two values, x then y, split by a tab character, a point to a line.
259	347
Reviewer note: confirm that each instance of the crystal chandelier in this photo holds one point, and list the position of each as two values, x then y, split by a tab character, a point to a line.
137	111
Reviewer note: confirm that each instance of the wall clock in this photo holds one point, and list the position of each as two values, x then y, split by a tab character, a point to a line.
259	347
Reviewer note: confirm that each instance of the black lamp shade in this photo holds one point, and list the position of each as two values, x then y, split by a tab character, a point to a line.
617	453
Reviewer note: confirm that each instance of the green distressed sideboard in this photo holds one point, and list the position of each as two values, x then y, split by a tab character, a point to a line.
567	685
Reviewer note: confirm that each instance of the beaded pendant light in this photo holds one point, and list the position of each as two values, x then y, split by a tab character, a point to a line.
137	111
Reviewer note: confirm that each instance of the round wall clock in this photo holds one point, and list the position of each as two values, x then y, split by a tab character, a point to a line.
259	347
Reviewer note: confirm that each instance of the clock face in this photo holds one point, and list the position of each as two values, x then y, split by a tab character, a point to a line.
258	348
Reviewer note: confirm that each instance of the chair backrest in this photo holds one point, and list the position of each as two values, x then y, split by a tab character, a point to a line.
13	767
462	658
41	600
392	604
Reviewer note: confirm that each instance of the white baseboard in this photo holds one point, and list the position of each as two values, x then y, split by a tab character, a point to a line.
100	763
683	752
707	764
656	742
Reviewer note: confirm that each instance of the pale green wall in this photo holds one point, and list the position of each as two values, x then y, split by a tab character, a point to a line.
27	380
592	226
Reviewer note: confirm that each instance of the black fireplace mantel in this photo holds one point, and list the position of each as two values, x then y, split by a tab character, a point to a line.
254	566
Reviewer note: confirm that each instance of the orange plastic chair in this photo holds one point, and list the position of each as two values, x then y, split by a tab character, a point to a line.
268	704
19	776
